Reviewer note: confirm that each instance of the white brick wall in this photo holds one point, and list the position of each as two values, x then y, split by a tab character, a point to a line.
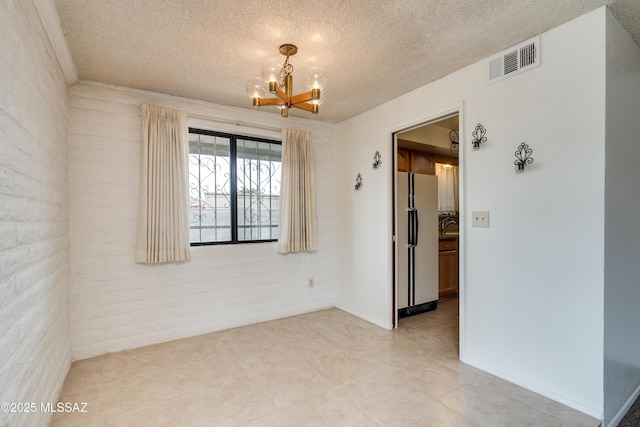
35	306
118	304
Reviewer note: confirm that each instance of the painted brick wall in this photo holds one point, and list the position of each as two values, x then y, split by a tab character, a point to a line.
118	304
35	305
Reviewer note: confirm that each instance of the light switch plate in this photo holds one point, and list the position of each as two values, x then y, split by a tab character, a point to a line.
480	219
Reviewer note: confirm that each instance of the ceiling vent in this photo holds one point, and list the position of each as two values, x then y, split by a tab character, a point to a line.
516	60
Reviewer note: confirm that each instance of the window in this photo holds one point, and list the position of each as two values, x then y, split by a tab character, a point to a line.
234	188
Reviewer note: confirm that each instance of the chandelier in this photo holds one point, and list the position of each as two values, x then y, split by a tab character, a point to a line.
278	80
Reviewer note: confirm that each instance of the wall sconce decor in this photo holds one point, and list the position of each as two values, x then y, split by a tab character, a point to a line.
377	160
455	141
358	182
479	136
523	156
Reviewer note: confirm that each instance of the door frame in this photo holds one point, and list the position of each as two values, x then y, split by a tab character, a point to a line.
393	283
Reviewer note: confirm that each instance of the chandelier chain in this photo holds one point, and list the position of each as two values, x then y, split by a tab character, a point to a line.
286	69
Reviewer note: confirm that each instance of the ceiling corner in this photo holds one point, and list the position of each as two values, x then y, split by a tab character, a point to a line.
51	24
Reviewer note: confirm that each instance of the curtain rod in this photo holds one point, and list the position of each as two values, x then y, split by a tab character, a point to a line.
234	122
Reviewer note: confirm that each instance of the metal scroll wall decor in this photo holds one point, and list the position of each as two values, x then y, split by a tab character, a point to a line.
479	136
358	182
455	141
523	156
377	160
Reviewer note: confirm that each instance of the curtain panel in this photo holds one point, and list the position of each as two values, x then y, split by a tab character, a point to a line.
298	227
447	187
163	228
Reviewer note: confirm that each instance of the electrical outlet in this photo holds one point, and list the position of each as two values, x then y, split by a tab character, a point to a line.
480	219
310	282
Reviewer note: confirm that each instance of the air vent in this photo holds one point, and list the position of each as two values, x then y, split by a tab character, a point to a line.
514	61
511	62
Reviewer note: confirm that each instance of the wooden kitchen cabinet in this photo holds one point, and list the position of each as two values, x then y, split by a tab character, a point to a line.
419	162
422	163
448	268
404	160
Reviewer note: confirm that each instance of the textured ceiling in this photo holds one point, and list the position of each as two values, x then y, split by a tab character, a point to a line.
371	50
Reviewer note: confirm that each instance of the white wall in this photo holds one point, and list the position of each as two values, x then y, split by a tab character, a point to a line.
35	306
118	304
622	234
533	285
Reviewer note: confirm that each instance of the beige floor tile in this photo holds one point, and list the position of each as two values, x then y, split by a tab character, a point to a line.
314	345
570	416
271	420
211	377
388	391
67	422
135	393
326	368
446	332
496	409
329	409
85	373
262	360
145	360
229	410
290	385
342	367
247	337
431	414
329	317
82	385
290	329
438	380
220	361
425	341
169	414
62	419
344	335
493	384
386	356
192	349
449	361
89	394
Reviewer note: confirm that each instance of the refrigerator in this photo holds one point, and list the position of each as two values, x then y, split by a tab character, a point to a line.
417	243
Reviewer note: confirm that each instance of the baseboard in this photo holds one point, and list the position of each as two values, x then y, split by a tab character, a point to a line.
625	408
417	309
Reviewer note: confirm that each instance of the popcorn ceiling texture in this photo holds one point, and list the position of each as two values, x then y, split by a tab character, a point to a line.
371	50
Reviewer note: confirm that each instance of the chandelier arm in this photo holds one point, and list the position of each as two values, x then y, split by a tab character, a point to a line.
303	97
282	95
312	108
270	101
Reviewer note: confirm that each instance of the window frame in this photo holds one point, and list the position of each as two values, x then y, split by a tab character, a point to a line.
233	183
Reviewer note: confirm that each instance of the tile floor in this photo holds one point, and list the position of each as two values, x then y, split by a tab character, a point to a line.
320	369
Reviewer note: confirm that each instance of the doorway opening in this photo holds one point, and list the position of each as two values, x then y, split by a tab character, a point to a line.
426	233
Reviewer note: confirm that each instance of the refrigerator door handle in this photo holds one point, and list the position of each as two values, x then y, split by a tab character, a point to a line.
410	227
415	227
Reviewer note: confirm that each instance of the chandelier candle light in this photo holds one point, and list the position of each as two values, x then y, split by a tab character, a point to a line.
278	79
